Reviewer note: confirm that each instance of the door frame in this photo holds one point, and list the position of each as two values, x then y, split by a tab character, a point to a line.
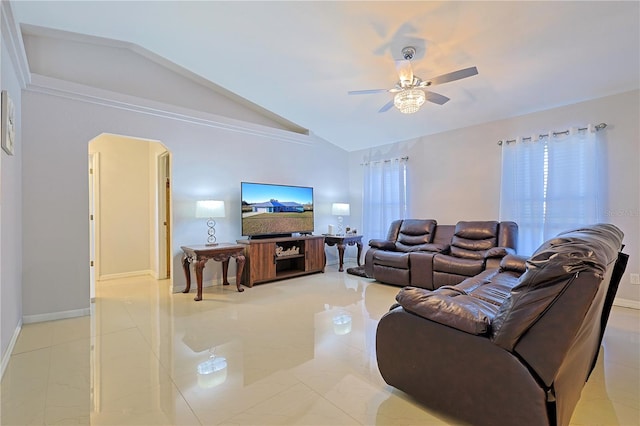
94	232
164	216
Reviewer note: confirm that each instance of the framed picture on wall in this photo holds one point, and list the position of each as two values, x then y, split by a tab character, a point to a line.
7	127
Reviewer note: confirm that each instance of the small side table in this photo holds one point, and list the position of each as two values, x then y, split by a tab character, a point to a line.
341	241
221	252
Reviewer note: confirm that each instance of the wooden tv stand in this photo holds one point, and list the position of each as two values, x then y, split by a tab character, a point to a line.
271	259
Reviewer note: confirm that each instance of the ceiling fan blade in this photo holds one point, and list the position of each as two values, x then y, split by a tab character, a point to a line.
452	76
405	72
366	92
386	107
436	98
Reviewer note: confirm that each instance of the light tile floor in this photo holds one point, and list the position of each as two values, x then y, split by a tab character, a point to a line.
300	351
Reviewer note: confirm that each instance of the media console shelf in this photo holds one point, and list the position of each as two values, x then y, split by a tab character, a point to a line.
271	259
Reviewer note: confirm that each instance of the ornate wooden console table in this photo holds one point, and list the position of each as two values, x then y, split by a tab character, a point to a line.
222	252
341	241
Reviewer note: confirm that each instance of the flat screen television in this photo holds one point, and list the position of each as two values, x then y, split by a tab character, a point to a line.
275	210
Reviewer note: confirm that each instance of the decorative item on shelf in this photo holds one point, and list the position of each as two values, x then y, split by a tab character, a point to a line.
291	251
210	209
340	209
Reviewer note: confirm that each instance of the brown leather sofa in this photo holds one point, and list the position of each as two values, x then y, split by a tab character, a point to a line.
421	253
510	346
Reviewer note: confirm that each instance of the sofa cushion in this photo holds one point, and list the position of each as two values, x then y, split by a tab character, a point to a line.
469	306
476	230
413	233
472	239
450	307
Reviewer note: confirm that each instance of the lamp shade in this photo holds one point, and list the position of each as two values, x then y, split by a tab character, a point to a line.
210	208
340	209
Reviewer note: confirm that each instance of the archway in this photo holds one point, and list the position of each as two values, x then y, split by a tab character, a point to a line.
130	201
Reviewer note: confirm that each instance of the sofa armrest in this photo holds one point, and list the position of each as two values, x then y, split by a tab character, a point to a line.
434	247
514	262
498	252
449	306
382	244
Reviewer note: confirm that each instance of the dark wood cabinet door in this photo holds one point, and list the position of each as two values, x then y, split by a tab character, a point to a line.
314	254
262	262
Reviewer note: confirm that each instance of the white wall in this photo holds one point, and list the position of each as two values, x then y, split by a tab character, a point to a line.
456	175
209	157
10	210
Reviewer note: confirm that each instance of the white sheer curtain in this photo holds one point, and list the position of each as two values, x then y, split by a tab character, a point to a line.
384	195
551	184
522	191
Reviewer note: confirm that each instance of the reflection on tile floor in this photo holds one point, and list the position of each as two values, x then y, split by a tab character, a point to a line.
300	351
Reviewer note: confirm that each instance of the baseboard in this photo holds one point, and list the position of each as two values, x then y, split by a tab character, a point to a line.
29	319
7	355
121	275
626	303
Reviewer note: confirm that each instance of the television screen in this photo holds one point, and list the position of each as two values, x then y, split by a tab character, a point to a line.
270	209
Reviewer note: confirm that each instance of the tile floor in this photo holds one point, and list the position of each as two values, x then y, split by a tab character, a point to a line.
299	351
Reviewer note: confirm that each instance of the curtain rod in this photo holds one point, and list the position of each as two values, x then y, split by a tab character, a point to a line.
405	158
565	132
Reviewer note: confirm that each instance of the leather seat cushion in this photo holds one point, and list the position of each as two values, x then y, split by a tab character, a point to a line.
391	259
469	306
493	286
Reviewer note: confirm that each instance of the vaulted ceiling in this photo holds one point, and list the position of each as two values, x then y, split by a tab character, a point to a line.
299	59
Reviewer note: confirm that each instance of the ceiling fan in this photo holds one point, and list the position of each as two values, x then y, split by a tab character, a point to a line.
410	91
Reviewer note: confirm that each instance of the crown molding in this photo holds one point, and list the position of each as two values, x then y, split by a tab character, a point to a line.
15	46
54	34
81	93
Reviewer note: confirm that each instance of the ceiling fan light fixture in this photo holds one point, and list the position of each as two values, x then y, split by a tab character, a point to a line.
409	101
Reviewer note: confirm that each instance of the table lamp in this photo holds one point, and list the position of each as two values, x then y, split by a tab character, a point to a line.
210	209
340	209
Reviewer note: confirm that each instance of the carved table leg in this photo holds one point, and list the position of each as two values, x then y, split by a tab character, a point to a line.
225	269
239	268
341	255
359	245
199	268
187	273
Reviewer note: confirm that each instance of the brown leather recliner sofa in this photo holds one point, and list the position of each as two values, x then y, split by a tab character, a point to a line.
421	253
510	346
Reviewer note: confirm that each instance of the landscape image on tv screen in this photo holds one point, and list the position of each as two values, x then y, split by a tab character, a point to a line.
269	209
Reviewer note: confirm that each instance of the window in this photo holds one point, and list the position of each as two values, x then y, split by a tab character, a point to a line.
551	184
385	195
